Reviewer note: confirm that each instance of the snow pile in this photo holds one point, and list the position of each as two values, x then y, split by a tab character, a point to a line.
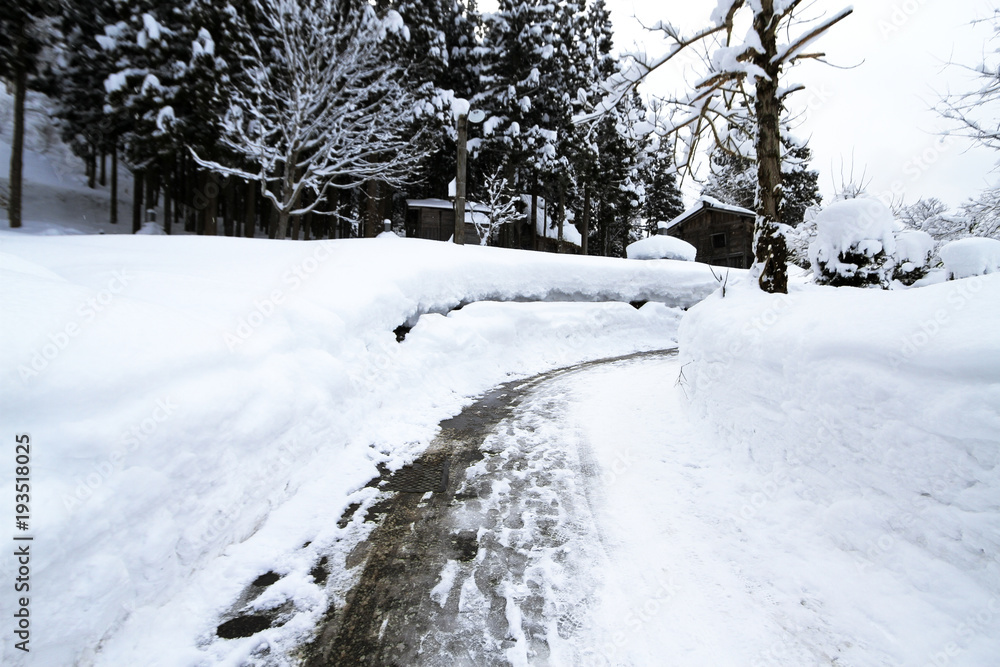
970	257
201	408
872	421
152	229
661	247
854	244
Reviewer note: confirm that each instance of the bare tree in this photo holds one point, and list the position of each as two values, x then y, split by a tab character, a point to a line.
322	106
500	204
742	87
973	112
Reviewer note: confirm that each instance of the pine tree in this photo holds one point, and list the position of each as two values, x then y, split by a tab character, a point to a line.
524	108
663	197
437	54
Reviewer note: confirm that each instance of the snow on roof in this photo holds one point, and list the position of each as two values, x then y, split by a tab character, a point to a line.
708	202
445	204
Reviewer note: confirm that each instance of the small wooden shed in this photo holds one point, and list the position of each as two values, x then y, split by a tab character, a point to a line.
435	219
722	233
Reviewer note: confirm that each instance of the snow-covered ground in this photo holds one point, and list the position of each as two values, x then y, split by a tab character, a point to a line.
200	408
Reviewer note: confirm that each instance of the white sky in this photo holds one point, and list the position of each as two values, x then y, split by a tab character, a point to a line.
878	115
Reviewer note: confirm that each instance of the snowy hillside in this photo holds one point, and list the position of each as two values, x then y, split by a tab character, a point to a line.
200	408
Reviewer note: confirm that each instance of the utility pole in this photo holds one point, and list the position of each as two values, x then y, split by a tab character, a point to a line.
463	141
460	108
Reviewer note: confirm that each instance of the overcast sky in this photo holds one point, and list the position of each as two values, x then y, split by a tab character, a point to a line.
876	116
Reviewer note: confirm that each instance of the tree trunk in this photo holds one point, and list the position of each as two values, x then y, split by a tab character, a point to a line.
104	167
533	220
585	232
152	180
371	210
283	224
250	210
167	201
272	223
561	211
17	143
211	194
114	182
772	251
137	200
228	218
91	167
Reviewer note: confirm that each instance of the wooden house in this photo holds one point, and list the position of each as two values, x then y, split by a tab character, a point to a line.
722	234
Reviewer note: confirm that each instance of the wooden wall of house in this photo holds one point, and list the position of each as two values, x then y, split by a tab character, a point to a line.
437	224
722	238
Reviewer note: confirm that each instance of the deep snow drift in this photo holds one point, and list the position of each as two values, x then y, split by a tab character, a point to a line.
871	422
201	408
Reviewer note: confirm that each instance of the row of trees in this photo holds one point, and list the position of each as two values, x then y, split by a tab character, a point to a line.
304	117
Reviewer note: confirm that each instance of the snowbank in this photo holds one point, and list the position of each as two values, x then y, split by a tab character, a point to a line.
971	257
873	421
661	247
201	408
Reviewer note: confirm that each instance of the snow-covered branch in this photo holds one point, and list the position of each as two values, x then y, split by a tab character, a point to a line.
321	107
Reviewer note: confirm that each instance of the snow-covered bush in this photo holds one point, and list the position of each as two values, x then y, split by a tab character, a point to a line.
969	257
854	244
914	250
661	247
799	237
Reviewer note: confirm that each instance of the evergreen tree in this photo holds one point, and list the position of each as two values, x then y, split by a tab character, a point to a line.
733	180
80	96
437	54
524	109
663	197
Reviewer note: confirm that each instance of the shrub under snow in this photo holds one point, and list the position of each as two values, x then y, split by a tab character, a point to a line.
661	247
914	249
854	244
970	257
